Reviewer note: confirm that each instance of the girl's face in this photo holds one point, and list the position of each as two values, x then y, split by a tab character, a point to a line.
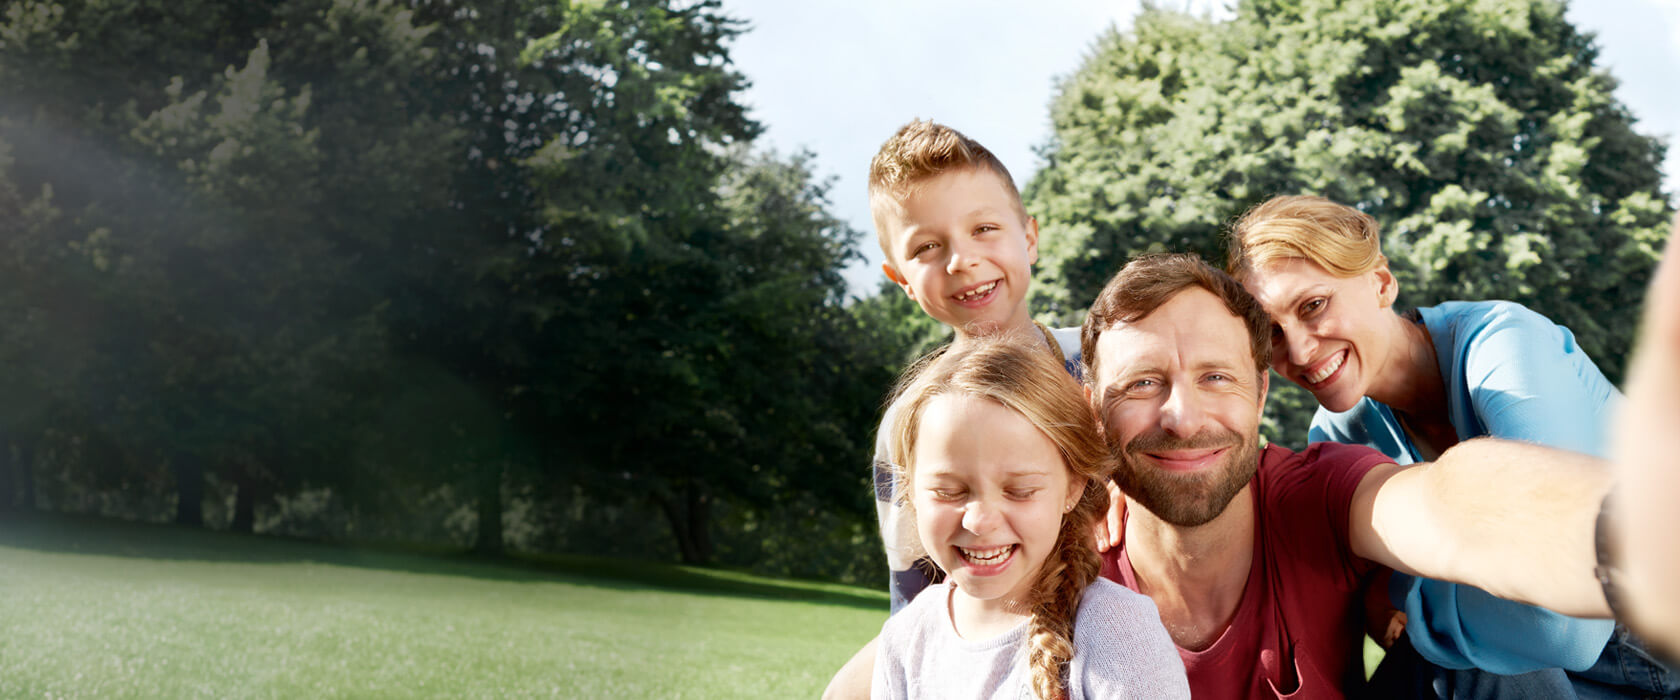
989	491
1328	333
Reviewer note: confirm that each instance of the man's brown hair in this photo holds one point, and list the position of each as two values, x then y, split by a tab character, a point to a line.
1149	281
918	151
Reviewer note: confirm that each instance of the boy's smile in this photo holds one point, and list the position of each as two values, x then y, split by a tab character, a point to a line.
961	247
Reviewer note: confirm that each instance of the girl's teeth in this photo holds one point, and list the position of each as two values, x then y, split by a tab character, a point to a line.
991	555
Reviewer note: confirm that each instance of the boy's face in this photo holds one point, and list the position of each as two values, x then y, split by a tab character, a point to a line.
962	250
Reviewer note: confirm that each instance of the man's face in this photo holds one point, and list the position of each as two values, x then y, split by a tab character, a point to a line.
961	248
1180	400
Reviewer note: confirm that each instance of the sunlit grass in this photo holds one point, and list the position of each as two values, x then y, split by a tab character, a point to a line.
95	609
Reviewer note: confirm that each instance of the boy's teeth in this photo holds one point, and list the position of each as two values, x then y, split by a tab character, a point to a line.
1326	371
991	555
977	292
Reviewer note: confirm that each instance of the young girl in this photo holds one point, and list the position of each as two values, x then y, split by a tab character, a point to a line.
1003	464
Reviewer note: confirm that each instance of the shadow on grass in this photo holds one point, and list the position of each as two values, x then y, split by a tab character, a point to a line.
78	534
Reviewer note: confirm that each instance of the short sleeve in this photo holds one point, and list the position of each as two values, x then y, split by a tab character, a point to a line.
898	528
888	680
1121	648
1311	501
1528	380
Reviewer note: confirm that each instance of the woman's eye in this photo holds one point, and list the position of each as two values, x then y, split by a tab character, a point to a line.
1312	307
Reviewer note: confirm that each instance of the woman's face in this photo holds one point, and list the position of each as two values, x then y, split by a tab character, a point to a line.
1329	333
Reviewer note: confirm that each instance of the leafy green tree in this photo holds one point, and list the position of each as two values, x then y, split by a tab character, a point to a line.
1480	133
224	218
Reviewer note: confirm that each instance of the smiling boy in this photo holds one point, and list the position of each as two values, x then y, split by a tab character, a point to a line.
958	241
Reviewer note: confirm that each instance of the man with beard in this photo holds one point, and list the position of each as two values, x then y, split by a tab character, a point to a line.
1254	556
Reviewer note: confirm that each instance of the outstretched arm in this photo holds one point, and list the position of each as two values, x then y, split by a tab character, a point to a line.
1646	447
1512	518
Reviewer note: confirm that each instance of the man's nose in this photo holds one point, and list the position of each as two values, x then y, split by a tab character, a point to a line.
1183	414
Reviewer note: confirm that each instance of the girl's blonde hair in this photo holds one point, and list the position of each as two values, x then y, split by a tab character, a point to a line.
1344	241
1026	379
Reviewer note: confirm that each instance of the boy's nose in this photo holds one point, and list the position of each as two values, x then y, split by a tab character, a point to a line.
961	256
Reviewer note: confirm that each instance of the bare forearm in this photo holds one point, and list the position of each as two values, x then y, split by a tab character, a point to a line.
1647	454
1511	518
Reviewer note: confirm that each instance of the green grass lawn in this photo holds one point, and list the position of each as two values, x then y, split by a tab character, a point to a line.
92	608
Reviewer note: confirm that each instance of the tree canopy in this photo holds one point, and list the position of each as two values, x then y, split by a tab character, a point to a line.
1481	134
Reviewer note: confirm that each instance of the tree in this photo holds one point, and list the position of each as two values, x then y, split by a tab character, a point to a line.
1480	133
223	221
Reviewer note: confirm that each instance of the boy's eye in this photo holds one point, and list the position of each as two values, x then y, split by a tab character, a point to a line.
923	248
985	228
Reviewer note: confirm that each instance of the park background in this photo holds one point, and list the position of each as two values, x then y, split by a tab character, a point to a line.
360	348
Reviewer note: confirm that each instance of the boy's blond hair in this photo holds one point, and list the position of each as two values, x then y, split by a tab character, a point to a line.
921	150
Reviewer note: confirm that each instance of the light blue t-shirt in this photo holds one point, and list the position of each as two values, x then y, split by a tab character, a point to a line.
1510	373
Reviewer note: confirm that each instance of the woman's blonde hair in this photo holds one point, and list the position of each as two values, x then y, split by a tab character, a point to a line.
1025	378
1344	241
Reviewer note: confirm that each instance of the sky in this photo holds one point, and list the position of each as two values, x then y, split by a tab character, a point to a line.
837	77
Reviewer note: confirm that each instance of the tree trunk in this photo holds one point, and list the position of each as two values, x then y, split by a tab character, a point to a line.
189	489
244	501
26	475
689	513
490	509
8	479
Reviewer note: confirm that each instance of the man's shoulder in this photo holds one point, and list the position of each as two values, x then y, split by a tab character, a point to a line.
1322	473
1278	460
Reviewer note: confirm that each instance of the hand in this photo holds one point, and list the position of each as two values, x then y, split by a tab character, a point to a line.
1646	451
1110	531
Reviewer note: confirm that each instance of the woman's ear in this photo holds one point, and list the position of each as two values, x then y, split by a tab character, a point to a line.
1388	288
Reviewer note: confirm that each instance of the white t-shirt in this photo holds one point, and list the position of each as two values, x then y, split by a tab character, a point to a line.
1120	651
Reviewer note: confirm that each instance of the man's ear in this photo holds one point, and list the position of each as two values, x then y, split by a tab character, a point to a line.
898	279
1388	288
1265	386
1032	241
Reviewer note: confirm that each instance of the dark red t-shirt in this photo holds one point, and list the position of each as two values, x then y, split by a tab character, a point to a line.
1299	627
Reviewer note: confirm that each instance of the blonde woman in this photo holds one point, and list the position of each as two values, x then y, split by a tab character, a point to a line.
1412	385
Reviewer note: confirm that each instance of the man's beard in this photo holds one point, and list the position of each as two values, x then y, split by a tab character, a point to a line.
1186	500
